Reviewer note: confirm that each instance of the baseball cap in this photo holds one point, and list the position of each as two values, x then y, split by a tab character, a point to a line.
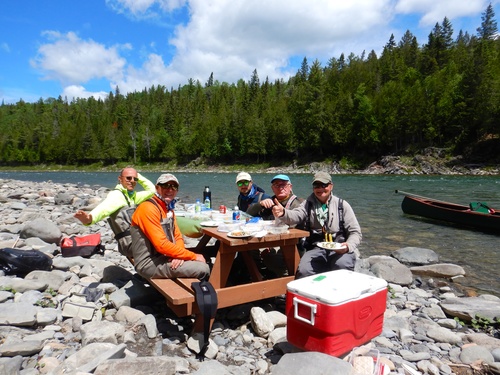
283	177
167	177
243	176
322	177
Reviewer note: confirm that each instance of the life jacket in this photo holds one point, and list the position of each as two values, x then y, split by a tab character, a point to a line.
315	237
120	222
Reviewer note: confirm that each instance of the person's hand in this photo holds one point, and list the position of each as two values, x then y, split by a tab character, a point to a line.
278	209
267	203
83	217
176	263
200	258
346	250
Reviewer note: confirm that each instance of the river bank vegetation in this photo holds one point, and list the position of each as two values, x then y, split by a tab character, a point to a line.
444	93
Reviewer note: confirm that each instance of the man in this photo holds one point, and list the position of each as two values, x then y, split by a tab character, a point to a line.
282	189
119	206
250	194
157	244
324	215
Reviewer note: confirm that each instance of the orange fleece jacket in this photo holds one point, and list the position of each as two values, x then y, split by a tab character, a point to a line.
147	218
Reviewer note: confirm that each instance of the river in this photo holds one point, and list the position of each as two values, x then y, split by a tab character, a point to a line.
377	207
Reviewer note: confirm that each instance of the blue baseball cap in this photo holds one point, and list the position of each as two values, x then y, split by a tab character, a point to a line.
283	177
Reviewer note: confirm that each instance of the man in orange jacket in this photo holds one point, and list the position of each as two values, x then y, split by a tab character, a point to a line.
157	244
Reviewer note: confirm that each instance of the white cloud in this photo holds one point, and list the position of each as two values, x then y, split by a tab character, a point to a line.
231	38
71	60
144	9
75	91
434	11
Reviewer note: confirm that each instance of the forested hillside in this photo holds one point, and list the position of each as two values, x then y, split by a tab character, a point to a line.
441	93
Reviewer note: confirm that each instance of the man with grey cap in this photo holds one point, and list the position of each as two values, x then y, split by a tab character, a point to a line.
327	218
157	243
250	194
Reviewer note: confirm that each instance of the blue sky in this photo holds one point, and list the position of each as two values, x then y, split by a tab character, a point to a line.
83	48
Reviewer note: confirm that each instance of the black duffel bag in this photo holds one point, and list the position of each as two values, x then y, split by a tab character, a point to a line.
21	262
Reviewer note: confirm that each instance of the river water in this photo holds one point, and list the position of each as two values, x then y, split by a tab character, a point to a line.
377	207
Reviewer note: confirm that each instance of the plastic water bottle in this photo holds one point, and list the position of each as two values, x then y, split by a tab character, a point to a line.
207	203
236	213
197	206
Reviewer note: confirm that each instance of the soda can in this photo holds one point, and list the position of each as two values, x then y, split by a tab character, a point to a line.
236	215
222	209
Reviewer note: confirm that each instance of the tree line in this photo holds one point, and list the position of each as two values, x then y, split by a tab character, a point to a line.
444	93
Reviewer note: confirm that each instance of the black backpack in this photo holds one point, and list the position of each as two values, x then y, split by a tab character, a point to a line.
206	299
21	262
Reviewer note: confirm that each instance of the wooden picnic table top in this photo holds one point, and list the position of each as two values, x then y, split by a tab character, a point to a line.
259	288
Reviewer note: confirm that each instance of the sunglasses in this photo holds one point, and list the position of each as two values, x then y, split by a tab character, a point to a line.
280	186
169	186
241	183
130	178
321	185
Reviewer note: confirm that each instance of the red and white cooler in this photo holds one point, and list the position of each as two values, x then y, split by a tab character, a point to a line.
335	311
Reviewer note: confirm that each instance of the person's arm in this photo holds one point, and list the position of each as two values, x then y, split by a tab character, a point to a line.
147	218
149	189
112	203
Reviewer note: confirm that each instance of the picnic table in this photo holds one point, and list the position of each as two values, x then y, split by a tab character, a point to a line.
180	296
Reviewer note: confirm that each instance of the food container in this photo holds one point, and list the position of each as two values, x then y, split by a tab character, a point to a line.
229	227
277	229
252	227
366	361
335	311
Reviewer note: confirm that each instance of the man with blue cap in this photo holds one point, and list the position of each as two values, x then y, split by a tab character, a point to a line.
281	184
282	189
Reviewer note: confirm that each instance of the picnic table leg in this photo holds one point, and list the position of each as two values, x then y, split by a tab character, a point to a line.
222	268
252	267
291	257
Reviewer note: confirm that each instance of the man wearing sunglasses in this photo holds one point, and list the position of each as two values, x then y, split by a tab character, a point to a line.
119	205
281	186
157	243
250	194
327	218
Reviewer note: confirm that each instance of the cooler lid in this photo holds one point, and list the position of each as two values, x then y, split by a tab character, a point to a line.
336	287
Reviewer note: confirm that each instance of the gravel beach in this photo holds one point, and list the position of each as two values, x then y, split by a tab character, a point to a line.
96	316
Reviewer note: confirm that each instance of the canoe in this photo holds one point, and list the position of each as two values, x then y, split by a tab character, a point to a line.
450	212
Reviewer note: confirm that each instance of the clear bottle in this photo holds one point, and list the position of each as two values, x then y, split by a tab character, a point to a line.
236	213
197	206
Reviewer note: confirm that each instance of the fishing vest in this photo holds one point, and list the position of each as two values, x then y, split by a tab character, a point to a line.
120	222
144	253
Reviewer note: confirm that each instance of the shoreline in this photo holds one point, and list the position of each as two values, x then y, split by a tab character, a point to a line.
432	162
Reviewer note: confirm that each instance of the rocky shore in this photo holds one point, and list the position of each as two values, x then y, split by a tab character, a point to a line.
95	316
432	161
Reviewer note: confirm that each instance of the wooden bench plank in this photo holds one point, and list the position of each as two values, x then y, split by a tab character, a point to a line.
179	298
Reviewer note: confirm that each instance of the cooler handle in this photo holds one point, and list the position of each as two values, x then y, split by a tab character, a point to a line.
296	315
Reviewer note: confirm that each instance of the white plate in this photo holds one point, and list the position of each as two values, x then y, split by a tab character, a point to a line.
335	246
239	234
180	213
209	224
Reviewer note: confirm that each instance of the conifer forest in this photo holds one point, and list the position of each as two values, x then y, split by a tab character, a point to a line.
442	92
